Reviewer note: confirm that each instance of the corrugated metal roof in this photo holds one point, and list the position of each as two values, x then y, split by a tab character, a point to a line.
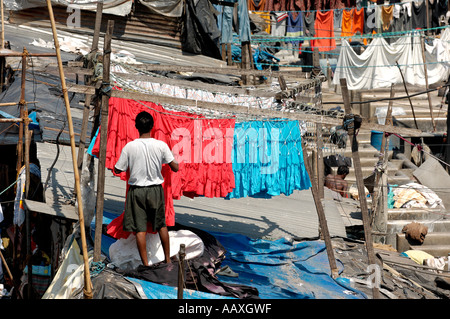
140	26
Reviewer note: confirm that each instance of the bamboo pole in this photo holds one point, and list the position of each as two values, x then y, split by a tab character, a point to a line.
103	142
87	279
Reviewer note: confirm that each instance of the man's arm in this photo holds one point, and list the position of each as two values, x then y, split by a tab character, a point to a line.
174	165
117	171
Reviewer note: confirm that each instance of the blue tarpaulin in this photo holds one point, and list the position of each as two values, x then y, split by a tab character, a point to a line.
279	269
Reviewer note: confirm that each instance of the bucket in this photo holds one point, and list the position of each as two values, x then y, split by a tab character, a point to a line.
377	137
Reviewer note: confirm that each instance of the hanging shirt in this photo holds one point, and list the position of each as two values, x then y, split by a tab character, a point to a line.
419	15
279	24
324	28
294	27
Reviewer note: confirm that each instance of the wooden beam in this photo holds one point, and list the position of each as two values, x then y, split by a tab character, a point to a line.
360	184
229	70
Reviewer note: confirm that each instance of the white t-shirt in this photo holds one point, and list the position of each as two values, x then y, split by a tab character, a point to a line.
144	157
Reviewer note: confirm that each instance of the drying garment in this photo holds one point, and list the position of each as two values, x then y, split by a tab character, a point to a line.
259	6
199	32
308	24
226	25
198	272
346	24
294	27
324	27
279	24
244	22
337	19
387	15
201	146
265	16
376	66
419	15
268	159
438	8
276	5
352	22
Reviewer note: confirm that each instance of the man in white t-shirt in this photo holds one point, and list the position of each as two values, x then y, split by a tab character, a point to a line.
144	158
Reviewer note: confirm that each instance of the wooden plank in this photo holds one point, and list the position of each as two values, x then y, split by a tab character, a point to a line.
62	211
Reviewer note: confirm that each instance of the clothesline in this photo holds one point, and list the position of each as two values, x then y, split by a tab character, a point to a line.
344	8
269	38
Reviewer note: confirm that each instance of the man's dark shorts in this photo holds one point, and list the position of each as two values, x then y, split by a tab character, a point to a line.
144	204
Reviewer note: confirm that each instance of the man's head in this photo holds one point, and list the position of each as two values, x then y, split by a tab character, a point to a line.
343	170
144	122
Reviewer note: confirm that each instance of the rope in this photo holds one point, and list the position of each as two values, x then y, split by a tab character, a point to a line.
9	187
96	268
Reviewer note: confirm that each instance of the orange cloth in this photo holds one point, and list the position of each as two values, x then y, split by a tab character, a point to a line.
352	22
324	28
252	7
347	23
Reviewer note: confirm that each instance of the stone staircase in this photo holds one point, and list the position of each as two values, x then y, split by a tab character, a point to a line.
437	241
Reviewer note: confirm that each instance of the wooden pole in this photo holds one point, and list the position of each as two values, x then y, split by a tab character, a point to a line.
22	107
425	70
103	141
319	160
3	26
98	24
382	155
27	212
360	184
321	214
181	256
88	97
407	94
379	216
87	279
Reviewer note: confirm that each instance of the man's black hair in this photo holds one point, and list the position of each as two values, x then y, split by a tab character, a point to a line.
144	122
343	170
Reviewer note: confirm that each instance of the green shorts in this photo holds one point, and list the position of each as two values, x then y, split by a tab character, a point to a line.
144	204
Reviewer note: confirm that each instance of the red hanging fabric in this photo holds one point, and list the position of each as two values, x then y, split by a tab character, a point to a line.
201	146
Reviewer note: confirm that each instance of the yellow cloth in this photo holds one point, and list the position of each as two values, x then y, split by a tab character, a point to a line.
418	256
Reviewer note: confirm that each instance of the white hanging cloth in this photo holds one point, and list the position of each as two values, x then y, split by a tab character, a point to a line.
376	66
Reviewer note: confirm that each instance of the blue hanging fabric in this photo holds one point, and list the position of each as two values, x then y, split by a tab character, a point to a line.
268	159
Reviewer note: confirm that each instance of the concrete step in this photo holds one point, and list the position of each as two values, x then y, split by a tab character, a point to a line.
431	239
416	214
434	250
396	226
